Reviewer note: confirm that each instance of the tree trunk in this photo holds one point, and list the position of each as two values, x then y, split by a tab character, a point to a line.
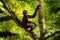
41	19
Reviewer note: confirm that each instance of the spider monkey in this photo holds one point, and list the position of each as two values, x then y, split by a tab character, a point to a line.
27	24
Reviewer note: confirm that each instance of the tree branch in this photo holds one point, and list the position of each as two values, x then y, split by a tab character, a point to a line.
6	18
52	34
5	34
5	6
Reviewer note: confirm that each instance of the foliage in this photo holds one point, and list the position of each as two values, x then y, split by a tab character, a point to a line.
52	17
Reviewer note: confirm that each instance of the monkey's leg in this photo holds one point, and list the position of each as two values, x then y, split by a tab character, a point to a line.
33	35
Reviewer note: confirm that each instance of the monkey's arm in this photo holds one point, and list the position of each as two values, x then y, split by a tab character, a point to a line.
18	21
32	16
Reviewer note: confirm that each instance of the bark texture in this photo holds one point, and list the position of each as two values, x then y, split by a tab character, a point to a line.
41	19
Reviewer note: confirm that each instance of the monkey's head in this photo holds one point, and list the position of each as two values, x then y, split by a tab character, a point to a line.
25	12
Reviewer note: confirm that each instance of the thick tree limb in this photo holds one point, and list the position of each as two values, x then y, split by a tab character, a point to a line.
5	34
41	19
52	34
5	18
